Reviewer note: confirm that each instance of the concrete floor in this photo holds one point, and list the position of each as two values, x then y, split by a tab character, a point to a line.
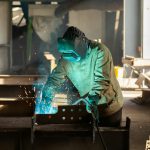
140	120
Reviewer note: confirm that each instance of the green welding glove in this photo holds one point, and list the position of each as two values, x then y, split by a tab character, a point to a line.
43	101
48	92
92	105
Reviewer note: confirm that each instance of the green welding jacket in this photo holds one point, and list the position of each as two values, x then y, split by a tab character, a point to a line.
93	75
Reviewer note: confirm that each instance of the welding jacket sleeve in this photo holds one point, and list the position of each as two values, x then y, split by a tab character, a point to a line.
55	79
102	91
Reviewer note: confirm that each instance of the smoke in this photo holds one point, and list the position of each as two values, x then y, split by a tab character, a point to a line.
50	27
46	27
46	30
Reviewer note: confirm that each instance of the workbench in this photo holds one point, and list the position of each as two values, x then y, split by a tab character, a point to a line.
65	131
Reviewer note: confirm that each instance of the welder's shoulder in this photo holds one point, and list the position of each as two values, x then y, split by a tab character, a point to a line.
99	46
103	47
103	51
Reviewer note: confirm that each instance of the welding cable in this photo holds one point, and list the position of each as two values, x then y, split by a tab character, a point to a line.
96	124
95	120
97	127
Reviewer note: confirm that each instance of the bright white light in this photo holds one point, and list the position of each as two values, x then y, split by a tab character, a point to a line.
7	99
1	106
117	20
16	17
54	3
38	3
16	3
16	9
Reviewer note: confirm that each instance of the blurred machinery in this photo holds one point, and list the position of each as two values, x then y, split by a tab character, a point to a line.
147	144
141	67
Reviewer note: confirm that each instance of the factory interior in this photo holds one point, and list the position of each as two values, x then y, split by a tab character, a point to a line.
29	31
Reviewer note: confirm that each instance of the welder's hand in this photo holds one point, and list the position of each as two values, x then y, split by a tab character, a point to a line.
93	99
37	88
92	106
44	106
47	93
43	103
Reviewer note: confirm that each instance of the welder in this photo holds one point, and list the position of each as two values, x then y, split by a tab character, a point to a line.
89	67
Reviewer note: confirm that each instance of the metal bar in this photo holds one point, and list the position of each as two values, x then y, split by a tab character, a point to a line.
4	45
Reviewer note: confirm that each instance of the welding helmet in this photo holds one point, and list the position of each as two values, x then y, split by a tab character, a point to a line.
73	44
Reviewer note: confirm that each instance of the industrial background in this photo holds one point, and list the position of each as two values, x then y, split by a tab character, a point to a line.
28	51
